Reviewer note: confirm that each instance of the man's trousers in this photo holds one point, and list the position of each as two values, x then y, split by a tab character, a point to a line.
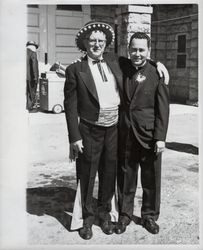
31	90
150	168
99	155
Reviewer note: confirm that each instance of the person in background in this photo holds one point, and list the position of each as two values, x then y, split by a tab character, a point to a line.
143	127
31	75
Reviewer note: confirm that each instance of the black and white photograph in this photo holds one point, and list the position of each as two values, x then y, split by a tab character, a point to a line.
100	125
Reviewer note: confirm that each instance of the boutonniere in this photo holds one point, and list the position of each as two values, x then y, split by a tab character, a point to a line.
140	78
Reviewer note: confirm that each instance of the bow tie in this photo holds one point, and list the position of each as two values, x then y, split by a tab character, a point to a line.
98	61
101	70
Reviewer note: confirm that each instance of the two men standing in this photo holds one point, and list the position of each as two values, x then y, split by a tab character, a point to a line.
99	91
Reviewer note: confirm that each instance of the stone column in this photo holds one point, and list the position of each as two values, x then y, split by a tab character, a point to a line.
132	18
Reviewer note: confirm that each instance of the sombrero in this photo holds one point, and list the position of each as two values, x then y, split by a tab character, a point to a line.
94	25
32	43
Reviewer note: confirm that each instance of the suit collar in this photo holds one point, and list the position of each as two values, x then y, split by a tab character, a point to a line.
112	62
88	78
139	85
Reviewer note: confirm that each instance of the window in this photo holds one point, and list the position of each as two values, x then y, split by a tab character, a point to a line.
69	7
181	52
182	43
181	61
32	6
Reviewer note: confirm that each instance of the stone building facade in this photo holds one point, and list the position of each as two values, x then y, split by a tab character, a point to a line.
173	29
126	19
174	33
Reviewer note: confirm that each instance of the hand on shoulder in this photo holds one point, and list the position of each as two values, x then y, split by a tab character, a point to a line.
163	72
78	59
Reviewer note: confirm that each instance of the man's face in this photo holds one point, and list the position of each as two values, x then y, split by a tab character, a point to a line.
95	44
138	51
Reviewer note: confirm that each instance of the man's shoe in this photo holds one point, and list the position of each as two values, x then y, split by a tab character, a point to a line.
151	226
86	232
107	227
33	110
122	224
120	227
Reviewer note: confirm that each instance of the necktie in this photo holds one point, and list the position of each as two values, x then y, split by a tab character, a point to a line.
101	70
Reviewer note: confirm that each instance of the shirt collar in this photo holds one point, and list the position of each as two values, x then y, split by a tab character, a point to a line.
141	66
91	59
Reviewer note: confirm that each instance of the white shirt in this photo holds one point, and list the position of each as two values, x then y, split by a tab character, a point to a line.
108	95
107	91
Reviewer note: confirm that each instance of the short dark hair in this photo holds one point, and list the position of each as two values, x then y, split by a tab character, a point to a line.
141	35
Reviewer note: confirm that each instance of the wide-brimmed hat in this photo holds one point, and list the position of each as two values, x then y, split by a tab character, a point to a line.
91	26
32	43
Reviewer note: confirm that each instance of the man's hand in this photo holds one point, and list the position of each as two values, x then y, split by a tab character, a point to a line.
75	147
159	147
163	72
78	59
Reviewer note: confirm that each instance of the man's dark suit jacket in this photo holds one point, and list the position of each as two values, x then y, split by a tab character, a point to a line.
81	99
146	110
32	67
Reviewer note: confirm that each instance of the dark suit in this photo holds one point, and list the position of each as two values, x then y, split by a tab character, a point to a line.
143	121
31	77
81	101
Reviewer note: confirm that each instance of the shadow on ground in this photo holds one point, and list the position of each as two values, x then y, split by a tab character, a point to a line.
53	201
182	147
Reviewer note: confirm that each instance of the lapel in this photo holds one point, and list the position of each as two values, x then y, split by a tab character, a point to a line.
139	85
87	78
112	62
127	90
127	80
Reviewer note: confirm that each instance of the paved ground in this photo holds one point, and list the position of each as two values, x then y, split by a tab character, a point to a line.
52	184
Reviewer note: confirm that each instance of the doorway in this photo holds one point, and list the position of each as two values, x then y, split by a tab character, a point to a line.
54	28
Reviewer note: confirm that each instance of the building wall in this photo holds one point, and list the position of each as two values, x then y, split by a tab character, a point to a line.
125	19
168	22
105	13
163	22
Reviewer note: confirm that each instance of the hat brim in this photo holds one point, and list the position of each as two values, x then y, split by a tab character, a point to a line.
33	44
106	28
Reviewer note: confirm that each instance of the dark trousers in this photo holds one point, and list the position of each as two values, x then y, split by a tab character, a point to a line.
31	91
99	155
150	164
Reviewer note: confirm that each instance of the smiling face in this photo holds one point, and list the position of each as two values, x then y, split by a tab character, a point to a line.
139	51
95	44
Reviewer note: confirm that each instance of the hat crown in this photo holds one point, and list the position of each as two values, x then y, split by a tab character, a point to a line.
91	26
32	43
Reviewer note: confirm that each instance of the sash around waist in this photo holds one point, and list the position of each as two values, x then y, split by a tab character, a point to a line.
107	117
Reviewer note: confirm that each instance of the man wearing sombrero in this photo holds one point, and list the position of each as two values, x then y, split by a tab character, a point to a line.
93	93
